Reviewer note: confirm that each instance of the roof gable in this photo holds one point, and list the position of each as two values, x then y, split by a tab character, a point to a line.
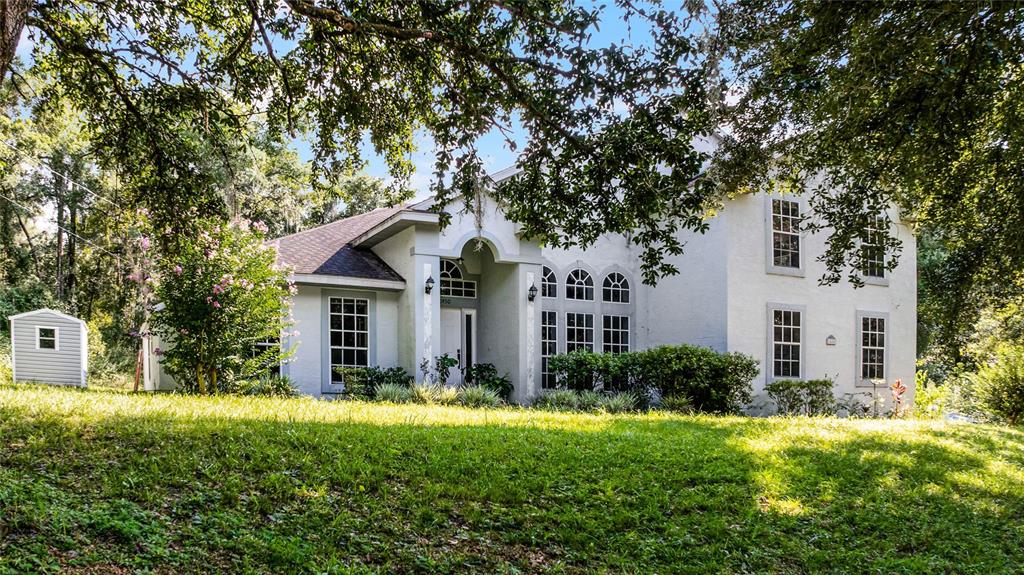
45	311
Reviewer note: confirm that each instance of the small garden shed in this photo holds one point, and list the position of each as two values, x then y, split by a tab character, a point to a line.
49	347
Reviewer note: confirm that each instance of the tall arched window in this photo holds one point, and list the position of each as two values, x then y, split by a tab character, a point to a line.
452	282
548	283
579	285
615	289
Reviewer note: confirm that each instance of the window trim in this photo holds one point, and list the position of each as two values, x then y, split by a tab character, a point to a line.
884	279
56	337
770	340
628	331
770	266
327	385
623	286
544	341
593	330
592	286
859	334
544	283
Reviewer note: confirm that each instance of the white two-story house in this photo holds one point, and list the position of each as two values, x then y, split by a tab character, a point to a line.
391	288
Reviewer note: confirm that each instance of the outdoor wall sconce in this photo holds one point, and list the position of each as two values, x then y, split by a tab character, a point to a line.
429	286
531	294
830	340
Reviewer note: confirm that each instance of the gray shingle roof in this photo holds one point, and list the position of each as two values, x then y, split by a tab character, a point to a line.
328	249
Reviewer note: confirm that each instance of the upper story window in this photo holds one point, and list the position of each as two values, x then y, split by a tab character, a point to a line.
615	288
46	338
786	233
872	249
452	282
548	283
579	285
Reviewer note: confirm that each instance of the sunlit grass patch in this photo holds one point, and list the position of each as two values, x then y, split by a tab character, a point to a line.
93	480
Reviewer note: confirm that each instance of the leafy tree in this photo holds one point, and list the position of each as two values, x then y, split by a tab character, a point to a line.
607	125
218	295
872	104
349	197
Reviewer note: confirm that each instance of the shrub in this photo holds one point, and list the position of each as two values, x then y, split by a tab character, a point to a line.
558	400
577	370
619	402
677	404
446	395
6	373
1000	385
588	400
479	396
713	382
269	386
362	382
798	397
394	393
486	375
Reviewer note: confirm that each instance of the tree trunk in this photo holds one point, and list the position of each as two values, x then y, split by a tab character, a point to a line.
200	379
13	14
69	274
60	244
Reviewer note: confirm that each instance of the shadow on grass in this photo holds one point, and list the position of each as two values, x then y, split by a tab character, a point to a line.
214	494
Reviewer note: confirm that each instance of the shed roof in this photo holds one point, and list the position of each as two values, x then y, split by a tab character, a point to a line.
46	310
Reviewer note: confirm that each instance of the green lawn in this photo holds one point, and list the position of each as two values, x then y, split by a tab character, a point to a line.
108	482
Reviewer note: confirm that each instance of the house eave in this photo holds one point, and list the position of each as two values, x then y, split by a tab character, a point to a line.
324	280
394	225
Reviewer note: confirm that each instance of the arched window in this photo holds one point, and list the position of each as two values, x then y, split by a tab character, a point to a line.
579	285
452	282
548	283
615	289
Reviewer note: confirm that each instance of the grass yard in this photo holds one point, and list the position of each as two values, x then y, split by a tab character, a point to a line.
108	482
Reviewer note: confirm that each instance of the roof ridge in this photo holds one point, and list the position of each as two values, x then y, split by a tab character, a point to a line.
400	207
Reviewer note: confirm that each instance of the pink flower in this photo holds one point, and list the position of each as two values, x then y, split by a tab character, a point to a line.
216	304
217	289
209	299
260	227
144	243
157	351
177	270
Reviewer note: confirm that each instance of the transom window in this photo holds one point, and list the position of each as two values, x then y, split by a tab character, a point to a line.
872	348
615	289
579	285
46	338
786	341
548	346
786	233
548	283
615	333
872	249
452	282
350	333
579	331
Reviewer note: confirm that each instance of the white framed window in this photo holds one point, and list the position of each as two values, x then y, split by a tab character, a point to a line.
785	234
615	333
615	288
548	283
349	333
786	342
453	284
579	285
548	347
46	338
579	331
872	340
872	249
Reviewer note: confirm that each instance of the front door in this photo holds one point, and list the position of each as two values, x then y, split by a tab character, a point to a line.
458	334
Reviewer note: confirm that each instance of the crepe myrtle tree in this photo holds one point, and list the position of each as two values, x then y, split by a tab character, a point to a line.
218	295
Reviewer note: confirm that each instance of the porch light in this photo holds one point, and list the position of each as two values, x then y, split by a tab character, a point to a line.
531	294
429	286
830	340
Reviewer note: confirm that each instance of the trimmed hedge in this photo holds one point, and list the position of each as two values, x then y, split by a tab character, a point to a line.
712	382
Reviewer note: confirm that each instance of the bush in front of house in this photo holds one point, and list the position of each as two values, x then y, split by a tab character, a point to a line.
479	396
486	375
799	397
1000	385
676	404
362	382
587	401
712	382
394	393
266	386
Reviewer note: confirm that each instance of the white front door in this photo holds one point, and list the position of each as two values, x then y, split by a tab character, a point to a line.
458	335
